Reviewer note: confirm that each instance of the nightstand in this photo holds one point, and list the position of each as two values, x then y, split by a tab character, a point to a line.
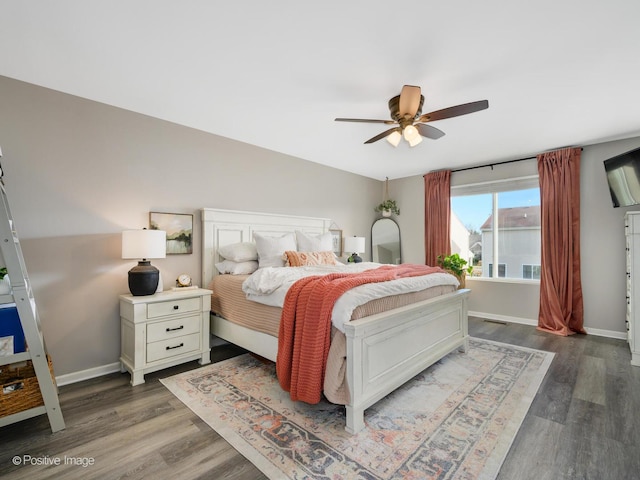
164	329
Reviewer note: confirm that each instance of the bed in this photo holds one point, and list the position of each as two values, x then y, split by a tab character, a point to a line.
383	350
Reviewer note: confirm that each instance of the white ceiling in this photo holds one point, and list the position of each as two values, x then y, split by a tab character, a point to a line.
276	74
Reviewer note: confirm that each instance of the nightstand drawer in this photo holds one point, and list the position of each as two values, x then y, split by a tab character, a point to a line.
173	328
172	347
162	309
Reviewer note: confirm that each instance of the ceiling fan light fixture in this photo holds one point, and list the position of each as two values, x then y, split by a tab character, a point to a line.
394	138
415	141
410	133
406	113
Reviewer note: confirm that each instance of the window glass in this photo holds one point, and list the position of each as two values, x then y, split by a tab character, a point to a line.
502	270
531	271
514	240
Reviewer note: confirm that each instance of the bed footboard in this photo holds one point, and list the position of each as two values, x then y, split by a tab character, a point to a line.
383	351
386	350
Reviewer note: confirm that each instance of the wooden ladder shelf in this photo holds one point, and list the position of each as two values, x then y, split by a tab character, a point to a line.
22	296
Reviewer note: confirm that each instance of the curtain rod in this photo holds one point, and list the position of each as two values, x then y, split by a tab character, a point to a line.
494	164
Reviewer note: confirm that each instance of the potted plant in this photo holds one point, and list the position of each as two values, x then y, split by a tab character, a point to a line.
455	264
5	286
387	208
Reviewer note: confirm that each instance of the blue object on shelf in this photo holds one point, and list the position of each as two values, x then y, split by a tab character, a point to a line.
10	326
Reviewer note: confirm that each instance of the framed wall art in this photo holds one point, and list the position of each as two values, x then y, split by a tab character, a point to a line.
336	237
179	228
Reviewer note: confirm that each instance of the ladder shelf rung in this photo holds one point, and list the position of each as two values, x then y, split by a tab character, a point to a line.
7	298
15	358
23	415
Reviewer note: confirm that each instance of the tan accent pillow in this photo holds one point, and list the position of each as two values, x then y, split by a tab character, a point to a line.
301	259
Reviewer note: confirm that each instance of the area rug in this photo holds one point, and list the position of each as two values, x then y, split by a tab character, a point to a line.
455	420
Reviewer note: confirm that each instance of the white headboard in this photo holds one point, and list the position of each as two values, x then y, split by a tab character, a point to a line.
224	227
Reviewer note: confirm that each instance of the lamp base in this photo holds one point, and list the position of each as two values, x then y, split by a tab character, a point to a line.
143	279
354	258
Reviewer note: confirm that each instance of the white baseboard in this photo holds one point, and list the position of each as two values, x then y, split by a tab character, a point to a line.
598	332
504	318
534	323
90	373
75	377
115	367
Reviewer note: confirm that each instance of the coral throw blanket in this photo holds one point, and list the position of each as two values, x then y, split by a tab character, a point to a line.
305	325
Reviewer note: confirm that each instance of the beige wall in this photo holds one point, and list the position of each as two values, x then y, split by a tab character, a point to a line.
602	243
78	173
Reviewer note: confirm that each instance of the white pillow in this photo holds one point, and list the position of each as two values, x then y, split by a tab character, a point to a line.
314	243
239	252
237	268
271	249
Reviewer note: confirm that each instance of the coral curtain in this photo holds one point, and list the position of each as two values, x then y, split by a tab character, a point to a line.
437	215
561	310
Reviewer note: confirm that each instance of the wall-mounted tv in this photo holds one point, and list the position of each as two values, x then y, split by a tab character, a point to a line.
623	175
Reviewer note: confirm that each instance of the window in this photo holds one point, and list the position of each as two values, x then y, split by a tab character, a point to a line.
498	223
531	271
502	270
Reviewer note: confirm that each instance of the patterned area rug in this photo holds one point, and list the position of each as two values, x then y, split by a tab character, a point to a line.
455	420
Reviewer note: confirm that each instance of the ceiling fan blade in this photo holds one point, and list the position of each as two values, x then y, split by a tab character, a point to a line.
364	120
429	131
409	100
456	111
383	134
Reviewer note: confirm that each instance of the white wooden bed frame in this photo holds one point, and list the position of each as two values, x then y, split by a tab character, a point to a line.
383	351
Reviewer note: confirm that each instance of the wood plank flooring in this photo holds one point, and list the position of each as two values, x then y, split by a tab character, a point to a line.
583	424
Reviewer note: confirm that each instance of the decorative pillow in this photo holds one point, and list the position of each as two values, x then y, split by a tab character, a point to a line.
300	259
237	268
314	243
239	252
271	249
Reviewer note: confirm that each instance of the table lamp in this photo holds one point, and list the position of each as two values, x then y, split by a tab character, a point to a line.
356	246
144	244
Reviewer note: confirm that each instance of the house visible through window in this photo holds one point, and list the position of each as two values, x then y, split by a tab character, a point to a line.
531	271
498	223
502	270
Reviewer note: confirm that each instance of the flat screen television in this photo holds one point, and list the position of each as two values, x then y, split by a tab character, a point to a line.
623	175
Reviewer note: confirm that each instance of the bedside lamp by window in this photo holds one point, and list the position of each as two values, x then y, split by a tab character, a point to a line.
355	245
144	244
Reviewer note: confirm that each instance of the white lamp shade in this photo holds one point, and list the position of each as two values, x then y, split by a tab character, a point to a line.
394	138
415	141
354	244
144	244
410	132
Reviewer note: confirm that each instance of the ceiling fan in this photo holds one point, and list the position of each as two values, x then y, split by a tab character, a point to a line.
406	113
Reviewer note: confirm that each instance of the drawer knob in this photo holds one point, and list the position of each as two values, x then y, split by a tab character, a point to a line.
176	307
177	346
174	329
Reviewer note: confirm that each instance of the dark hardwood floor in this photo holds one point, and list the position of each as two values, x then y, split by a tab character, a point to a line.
584	422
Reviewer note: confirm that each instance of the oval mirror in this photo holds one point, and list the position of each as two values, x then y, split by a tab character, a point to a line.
385	241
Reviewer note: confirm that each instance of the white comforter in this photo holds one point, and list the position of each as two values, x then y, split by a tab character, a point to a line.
270	285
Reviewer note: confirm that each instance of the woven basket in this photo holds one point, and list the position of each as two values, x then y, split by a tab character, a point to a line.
20	389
